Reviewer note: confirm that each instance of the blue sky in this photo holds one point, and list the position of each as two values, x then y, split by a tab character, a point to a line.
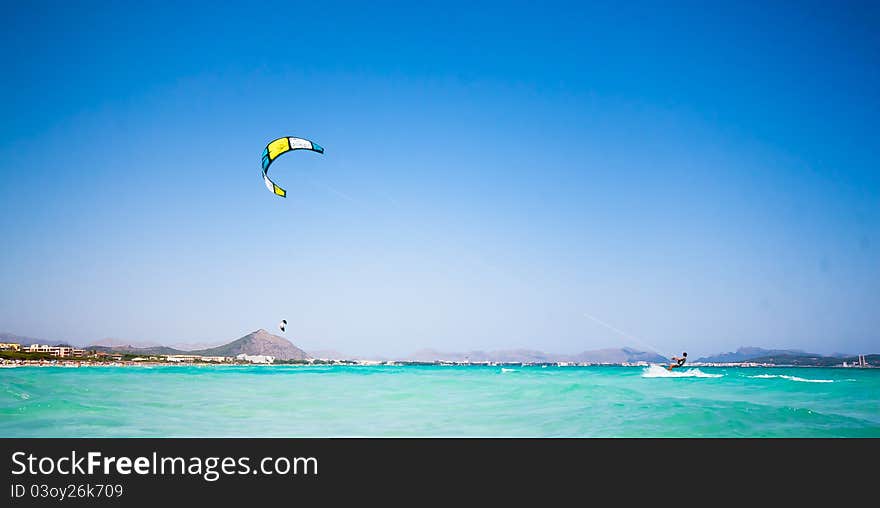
697	176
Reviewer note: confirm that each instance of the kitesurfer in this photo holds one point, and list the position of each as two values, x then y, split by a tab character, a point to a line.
678	361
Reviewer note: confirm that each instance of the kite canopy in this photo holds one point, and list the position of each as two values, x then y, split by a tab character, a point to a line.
275	149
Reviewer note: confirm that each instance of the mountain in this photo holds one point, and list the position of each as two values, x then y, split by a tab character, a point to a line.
133	350
745	354
20	339
814	360
622	355
27	341
11	337
259	342
788	357
191	346
114	342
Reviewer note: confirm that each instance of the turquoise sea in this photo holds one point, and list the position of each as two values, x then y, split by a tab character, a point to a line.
433	401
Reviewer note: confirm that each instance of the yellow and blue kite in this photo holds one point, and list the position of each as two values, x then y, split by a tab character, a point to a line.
275	149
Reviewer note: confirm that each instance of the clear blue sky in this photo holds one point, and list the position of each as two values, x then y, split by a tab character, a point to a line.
697	176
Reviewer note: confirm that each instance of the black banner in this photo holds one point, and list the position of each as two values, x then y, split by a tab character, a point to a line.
126	472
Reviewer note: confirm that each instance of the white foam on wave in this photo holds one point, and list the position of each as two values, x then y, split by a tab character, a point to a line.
791	378
507	370
20	395
660	371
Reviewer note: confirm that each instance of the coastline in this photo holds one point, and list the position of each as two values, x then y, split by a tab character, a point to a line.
369	363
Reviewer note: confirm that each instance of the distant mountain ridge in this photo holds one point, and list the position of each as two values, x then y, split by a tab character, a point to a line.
133	350
114	342
814	360
744	354
259	342
24	340
621	355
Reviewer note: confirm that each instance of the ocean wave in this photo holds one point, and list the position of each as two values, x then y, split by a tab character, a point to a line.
21	395
507	370
660	371
791	378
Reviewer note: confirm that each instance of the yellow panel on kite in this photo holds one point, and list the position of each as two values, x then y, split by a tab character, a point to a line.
278	147
279	191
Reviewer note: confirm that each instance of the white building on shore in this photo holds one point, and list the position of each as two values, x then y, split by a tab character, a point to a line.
182	358
255	358
216	359
59	351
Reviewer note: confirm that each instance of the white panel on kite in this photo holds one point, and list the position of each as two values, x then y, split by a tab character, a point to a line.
296	143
